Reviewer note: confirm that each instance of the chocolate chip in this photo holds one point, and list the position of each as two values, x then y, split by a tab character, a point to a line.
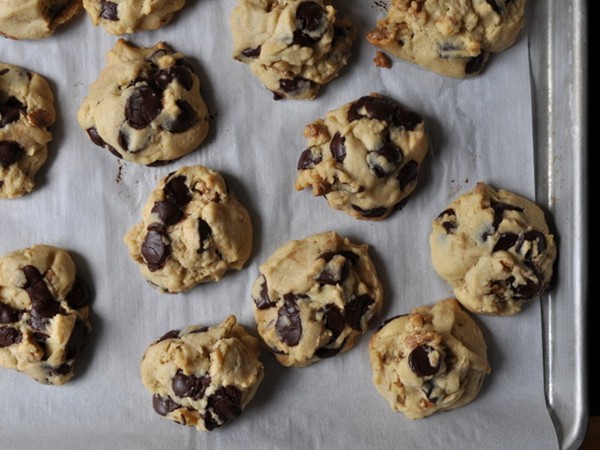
252	52
334	273
190	385
142	106
167	212
356	309
419	361
10	153
289	324
185	119
163	405
338	147
308	160
333	319
156	247
370	213
181	73
79	335
475	63
79	295
225	403
384	160
43	303
536	238
450	224
108	10
7	314
9	336
386	321
531	288
295	85
309	21
173	334
10	111
506	241
263	302
176	191
382	108
407	174
204	232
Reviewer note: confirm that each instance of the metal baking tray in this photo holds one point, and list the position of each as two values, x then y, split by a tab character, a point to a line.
558	54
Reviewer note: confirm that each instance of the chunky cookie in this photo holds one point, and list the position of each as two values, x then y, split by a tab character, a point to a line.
433	359
129	16
193	230
293	46
450	37
44	313
145	106
314	297
495	250
35	19
364	157
26	112
201	376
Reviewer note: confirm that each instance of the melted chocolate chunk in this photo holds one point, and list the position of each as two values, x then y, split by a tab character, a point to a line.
536	238
386	321
186	118
499	209
168	212
142	106
295	85
356	309
7	314
108	10
10	111
225	403
190	385
10	153
177	192
333	319
407	174
95	137
123	140
156	248
382	108
506	241
289	324
308	160
419	362
336	273
384	160
450	224
353	257
163	405
43	303
9	336
63	369
475	63
204	232
79	335
309	17
178	72
79	295
252	52
263	302
370	213
173	334
494	5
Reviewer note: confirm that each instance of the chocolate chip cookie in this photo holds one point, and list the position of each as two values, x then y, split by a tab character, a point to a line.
314	297
494	248
44	313
145	106
450	37
193	230
129	16
293	46
433	359
26	112
35	19
203	376
364	157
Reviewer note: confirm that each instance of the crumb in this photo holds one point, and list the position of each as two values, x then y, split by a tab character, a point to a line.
382	60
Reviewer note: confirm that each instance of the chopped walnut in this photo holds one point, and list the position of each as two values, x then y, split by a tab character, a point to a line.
382	60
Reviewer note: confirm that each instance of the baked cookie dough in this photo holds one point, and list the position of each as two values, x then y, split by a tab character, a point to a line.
193	230
314	297
44	313
433	359
294	47
449	37
145	106
129	16
364	157
201	376
26	112
495	250
35	19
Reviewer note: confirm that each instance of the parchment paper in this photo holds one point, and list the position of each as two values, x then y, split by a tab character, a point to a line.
480	130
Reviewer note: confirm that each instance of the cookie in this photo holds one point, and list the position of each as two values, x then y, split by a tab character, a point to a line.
495	250
314	297
145	106
450	37
128	16
35	19
193	230
203	376
294	47
44	313
26	112
433	359
364	157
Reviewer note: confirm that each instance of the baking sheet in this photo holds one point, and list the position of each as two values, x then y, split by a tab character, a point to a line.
86	200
